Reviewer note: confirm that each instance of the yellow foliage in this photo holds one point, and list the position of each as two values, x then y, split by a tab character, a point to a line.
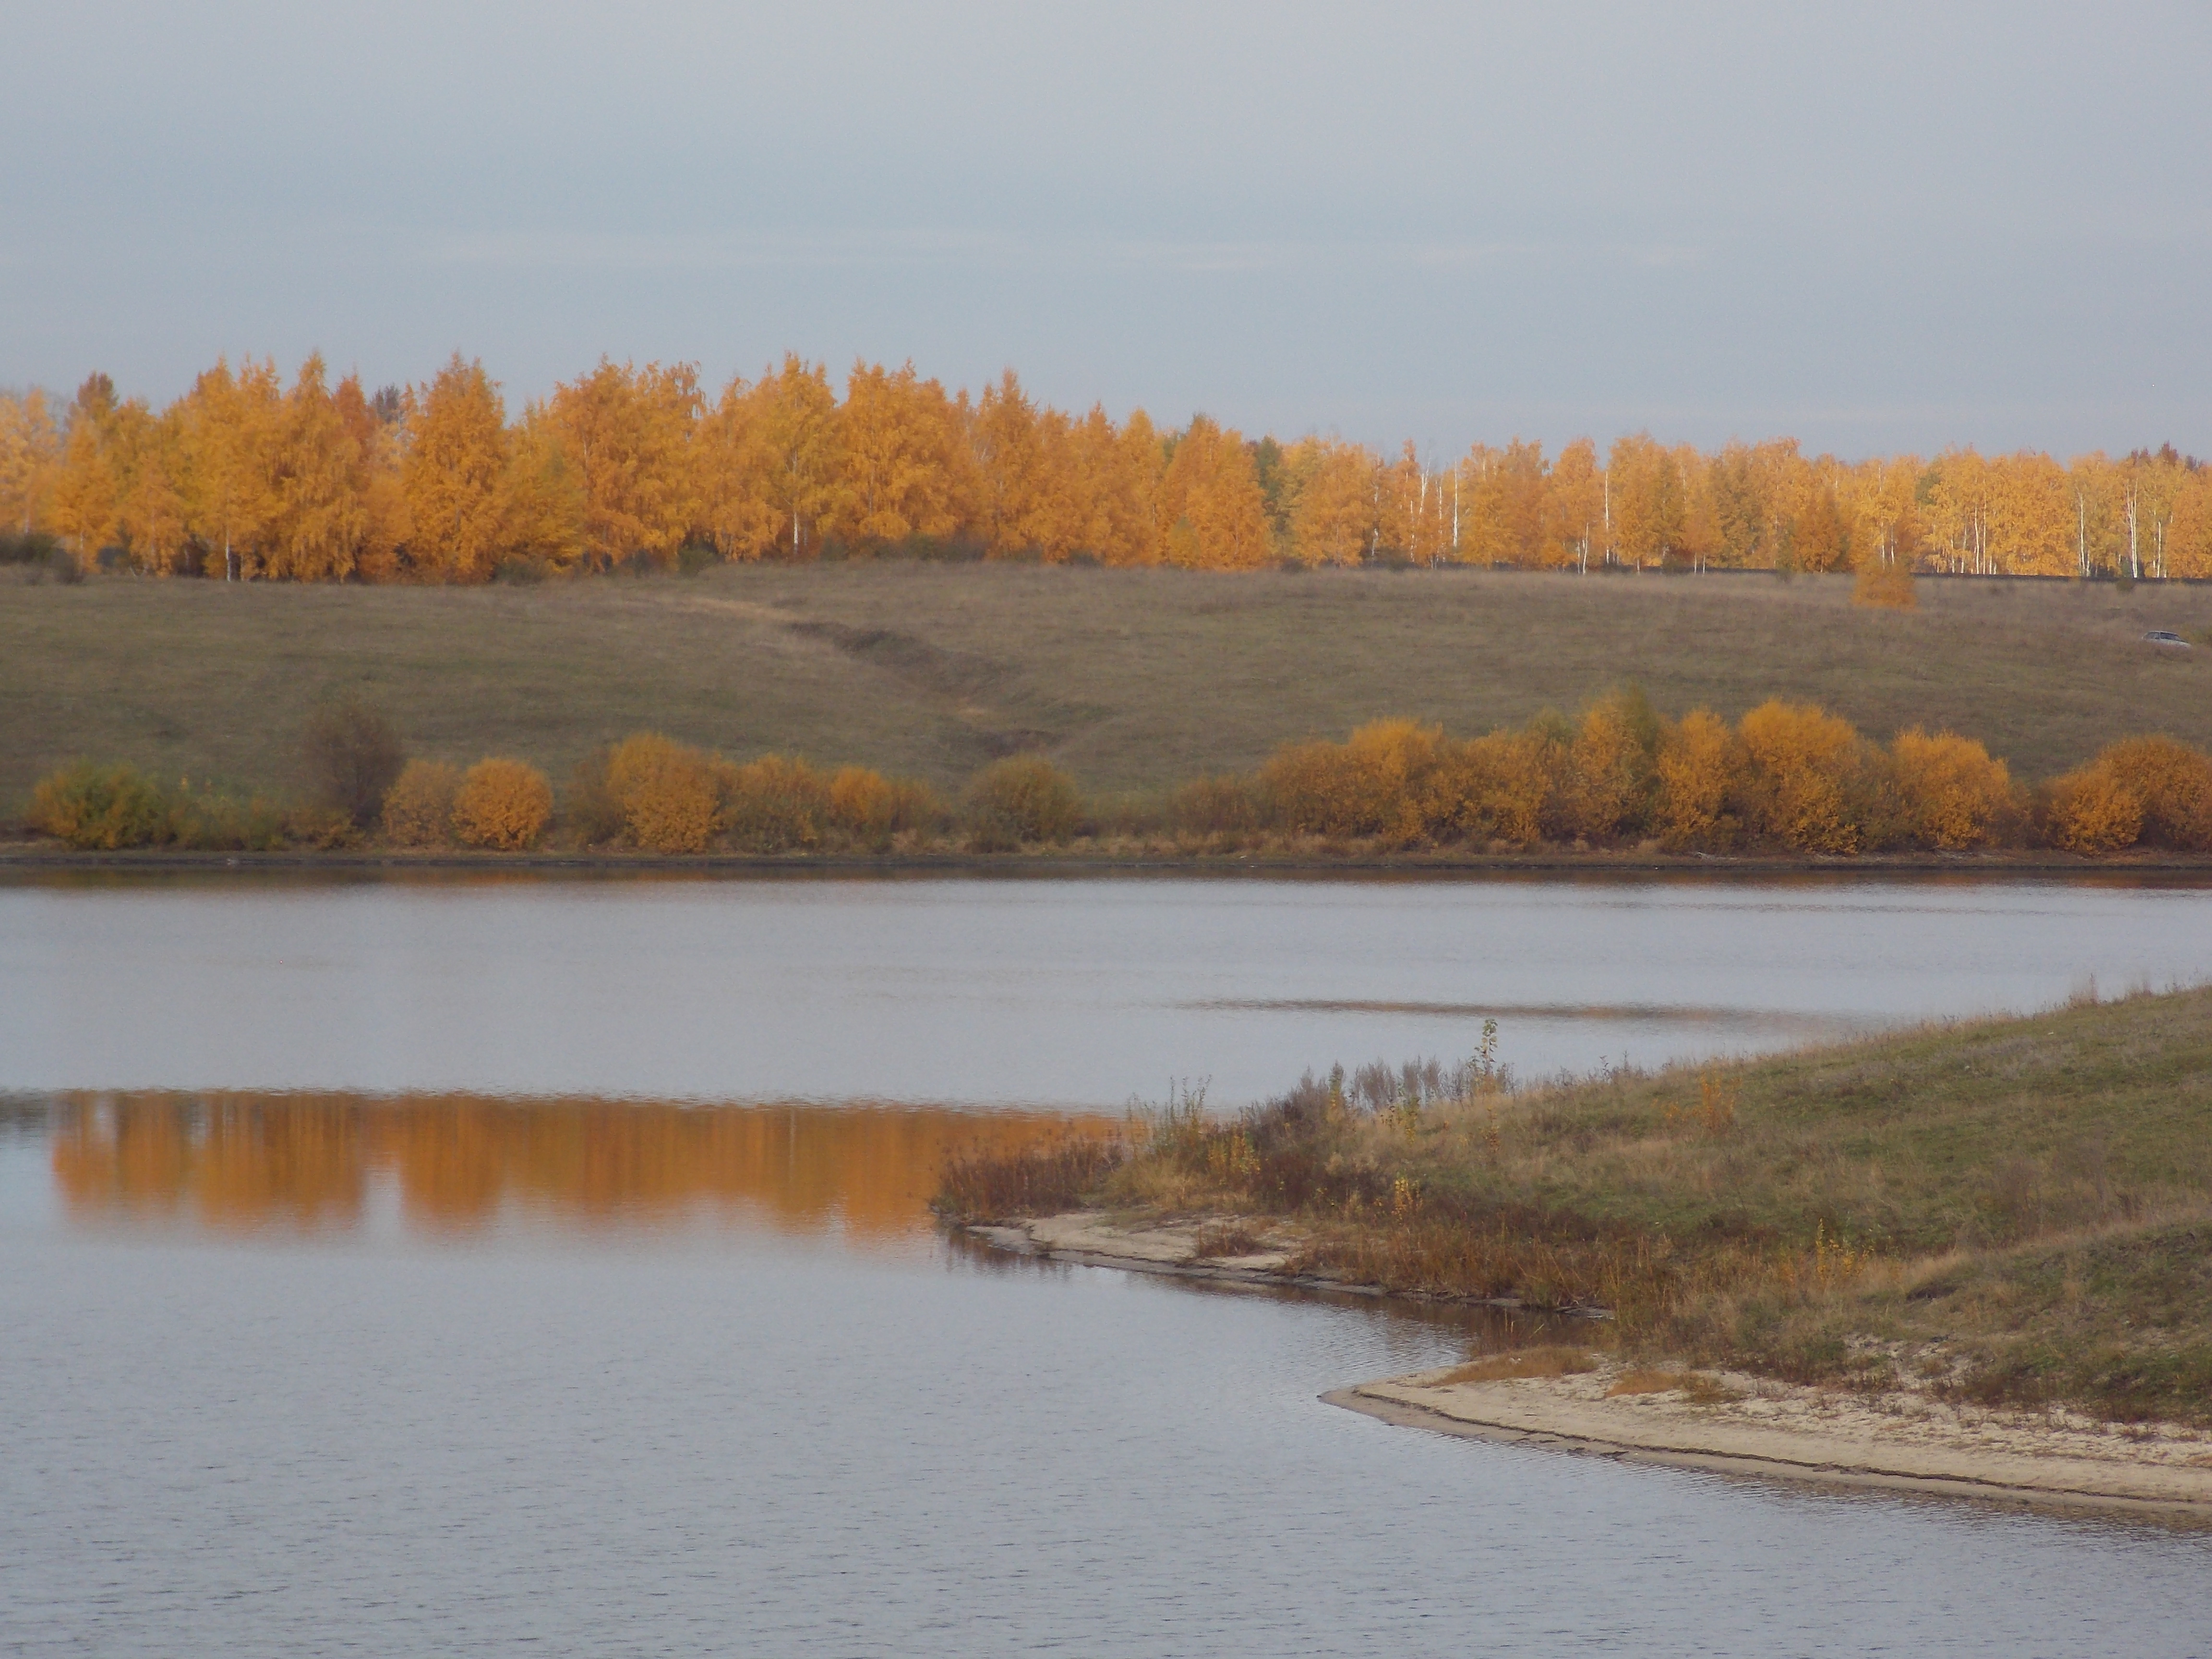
2143	789
871	808
1370	785
1210	499
1491	788
628	432
418	809
504	805
101	808
1801	764
778	805
1024	798
624	463
2175	783
1335	511
671	795
1611	768
1696	768
1952	794
1312	789
2094	810
453	474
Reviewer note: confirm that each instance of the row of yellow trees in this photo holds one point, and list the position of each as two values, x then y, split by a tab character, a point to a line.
1785	777
245	477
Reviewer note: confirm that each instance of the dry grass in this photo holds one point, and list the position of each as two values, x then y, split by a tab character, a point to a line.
1001	1183
1225	1241
1698	1387
1545	1359
1133	681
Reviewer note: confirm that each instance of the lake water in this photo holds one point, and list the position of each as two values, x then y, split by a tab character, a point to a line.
404	1267
1074	993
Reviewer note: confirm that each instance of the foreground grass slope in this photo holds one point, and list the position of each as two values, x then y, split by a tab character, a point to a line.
2020	1208
1134	680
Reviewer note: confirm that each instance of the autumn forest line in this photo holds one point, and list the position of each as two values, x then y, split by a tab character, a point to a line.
247	478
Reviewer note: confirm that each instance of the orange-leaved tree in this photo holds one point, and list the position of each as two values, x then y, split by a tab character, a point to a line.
1210	502
1803	769
1696	769
1952	794
454	476
905	456
628	432
672	796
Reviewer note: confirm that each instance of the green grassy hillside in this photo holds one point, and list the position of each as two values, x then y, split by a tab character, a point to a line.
1133	679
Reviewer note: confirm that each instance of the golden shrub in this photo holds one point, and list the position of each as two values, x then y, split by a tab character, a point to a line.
1951	792
1609	768
671	795
1311	789
1372	784
778	805
1491	788
1801	765
2175	783
871	808
101	807
2092	809
418	808
1696	773
1392	760
504	805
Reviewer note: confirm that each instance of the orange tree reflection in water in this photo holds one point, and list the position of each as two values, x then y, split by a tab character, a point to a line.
461	1163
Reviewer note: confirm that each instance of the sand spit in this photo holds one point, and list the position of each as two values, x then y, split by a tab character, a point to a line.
1901	1441
1722	1421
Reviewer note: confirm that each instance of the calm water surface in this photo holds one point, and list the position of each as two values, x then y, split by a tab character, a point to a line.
401	1334
1064	992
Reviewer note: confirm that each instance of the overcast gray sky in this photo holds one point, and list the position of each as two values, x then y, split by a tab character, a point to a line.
1874	226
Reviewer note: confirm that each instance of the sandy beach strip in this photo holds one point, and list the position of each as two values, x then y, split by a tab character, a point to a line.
1733	1423
1905	1443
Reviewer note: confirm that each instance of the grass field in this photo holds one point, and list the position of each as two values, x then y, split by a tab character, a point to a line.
2020	1207
1134	680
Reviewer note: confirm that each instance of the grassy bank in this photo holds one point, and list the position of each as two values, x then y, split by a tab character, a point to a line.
2019	1210
1134	680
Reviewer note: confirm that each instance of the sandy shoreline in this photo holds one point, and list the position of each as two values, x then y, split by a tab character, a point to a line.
1739	1424
1777	1431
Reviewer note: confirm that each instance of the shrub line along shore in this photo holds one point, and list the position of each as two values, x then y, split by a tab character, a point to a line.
1974	1256
1788	778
